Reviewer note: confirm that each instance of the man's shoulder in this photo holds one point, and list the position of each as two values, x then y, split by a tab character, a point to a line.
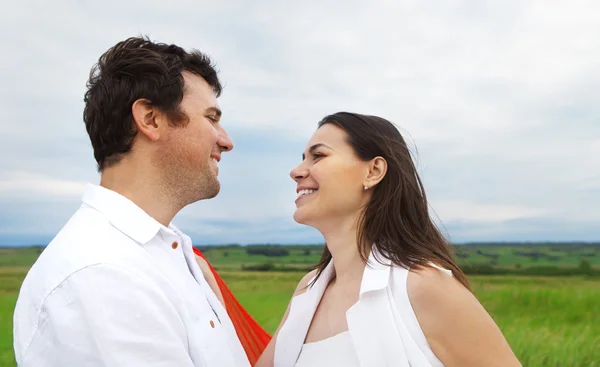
86	240
85	225
86	303
85	236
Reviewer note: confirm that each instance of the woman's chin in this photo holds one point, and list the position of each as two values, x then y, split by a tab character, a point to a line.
298	218
301	217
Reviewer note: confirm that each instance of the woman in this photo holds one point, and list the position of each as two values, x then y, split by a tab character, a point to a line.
411	305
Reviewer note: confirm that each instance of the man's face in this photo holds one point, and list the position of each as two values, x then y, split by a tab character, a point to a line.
192	151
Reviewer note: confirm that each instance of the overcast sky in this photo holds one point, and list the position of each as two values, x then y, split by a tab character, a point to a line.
501	99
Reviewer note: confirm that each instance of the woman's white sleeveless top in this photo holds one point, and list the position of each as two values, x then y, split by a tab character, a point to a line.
382	327
337	351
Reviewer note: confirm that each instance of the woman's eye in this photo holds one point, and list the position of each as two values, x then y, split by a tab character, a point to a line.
318	155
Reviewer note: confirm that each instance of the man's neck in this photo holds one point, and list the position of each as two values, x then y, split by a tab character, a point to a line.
142	189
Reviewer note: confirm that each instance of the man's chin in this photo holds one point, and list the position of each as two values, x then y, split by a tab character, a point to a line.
212	190
213	194
207	191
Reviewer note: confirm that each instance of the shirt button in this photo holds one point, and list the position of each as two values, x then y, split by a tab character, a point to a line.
212	324
174	245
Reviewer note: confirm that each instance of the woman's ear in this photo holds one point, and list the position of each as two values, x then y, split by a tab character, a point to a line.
376	173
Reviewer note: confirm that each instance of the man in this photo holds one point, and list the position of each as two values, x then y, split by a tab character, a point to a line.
119	285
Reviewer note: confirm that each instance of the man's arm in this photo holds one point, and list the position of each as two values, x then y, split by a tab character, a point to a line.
105	315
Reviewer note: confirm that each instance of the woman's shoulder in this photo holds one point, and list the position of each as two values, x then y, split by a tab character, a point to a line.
422	284
423	289
416	286
304	283
429	272
427	283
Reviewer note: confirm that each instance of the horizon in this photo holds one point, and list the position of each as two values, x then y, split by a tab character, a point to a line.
474	243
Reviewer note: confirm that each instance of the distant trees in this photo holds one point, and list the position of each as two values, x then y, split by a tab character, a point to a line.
585	266
271	251
493	257
537	255
525	259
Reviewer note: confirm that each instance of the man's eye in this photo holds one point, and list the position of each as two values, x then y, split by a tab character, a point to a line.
212	118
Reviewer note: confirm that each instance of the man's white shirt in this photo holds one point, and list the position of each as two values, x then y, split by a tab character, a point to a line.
117	288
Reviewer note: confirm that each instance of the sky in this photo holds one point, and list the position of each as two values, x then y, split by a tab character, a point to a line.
499	101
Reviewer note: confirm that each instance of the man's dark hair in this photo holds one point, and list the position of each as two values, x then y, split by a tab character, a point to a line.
132	69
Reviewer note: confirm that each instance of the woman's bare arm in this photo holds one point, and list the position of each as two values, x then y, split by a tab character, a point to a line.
457	327
210	278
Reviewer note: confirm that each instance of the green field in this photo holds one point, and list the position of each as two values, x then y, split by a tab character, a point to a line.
501	255
548	321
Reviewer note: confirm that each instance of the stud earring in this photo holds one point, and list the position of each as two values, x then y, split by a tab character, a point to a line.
366	188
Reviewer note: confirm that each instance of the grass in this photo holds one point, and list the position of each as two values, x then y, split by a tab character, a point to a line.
10	281
10	257
7	305
264	295
548	321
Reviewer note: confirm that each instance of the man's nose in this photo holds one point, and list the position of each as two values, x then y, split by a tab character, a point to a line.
225	143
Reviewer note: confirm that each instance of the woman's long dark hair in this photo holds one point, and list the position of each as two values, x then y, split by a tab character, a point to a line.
396	218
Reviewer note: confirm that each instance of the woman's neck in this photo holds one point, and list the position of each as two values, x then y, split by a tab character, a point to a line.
346	259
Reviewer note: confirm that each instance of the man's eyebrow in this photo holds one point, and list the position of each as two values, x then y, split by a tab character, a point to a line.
214	110
312	149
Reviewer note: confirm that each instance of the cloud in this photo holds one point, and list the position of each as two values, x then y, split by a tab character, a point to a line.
456	210
498	100
522	230
23	183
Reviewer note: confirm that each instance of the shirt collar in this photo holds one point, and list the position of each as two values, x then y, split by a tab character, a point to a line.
377	272
124	214
376	275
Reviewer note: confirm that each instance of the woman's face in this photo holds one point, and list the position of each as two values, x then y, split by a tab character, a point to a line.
330	179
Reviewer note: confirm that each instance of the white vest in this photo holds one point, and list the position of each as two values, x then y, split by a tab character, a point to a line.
382	324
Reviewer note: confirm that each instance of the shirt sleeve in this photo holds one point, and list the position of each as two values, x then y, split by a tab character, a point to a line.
105	315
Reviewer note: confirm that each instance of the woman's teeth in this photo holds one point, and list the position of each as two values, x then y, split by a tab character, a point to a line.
305	192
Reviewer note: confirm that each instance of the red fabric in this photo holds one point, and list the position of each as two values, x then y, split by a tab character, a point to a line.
253	337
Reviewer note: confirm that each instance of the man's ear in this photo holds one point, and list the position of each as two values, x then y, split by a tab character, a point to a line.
145	118
376	173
